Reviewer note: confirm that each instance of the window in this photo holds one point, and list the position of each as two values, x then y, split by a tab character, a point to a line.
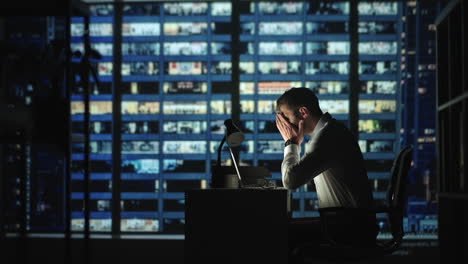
176	93
378	87
328	87
274	8
280	28
378	8
378	67
327	67
280	48
377	27
327	28
380	47
330	48
328	8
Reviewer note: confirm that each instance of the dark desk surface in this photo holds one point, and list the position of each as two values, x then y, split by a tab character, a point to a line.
236	225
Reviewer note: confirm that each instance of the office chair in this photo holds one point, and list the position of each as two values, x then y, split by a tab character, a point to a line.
394	209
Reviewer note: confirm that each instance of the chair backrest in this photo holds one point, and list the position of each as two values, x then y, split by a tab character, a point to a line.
396	194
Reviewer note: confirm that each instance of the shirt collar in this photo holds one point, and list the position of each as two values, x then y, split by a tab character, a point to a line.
321	123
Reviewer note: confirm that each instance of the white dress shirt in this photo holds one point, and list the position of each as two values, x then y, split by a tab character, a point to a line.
334	161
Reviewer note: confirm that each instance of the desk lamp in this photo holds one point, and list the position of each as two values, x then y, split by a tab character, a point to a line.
234	138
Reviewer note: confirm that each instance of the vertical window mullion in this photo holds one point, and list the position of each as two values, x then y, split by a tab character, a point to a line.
235	58
353	68
117	118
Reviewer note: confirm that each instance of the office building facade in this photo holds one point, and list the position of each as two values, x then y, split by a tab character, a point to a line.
164	88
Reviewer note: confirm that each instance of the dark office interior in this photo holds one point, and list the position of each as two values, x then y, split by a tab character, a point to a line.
118	121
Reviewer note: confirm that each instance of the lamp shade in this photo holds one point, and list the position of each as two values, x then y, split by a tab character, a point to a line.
234	136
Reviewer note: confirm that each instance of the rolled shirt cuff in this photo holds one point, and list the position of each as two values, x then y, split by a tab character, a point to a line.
292	149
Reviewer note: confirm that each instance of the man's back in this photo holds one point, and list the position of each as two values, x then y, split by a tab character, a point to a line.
344	183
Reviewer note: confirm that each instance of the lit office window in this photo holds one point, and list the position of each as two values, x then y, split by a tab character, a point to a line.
377	27
140	147
221	48
140	68
378	87
328	87
246	87
105	68
185	48
221	9
328	8
141	9
185	9
246	147
140	29
280	48
335	106
376	146
138	127
220	107
247	106
184	127
184	107
185	29
276	87
184	68
274	8
246	67
328	47
139	107
327	67
104	49
266	107
279	67
247	28
223	67
280	28
96	107
188	87
377	126
100	29
377	106
378	47
184	147
378	67
378	8
217	127
270	146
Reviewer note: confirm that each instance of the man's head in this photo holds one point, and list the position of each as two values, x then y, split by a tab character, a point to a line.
300	104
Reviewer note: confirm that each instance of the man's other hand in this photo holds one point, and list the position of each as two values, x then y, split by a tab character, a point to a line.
289	131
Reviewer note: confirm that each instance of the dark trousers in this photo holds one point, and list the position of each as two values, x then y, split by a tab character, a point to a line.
343	226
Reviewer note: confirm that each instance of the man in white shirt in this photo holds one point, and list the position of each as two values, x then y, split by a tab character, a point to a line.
333	160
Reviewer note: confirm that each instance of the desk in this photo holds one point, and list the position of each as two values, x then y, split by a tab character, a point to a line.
236	226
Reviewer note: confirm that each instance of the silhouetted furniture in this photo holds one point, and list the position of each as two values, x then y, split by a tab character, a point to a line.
452	131
395	210
236	226
251	176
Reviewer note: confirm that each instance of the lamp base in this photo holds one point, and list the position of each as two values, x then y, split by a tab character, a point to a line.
224	177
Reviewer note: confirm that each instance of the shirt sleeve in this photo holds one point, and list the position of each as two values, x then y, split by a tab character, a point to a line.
297	171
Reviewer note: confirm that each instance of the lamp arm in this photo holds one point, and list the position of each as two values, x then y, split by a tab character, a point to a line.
219	151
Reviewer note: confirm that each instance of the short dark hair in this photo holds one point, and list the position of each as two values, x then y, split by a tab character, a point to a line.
298	97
